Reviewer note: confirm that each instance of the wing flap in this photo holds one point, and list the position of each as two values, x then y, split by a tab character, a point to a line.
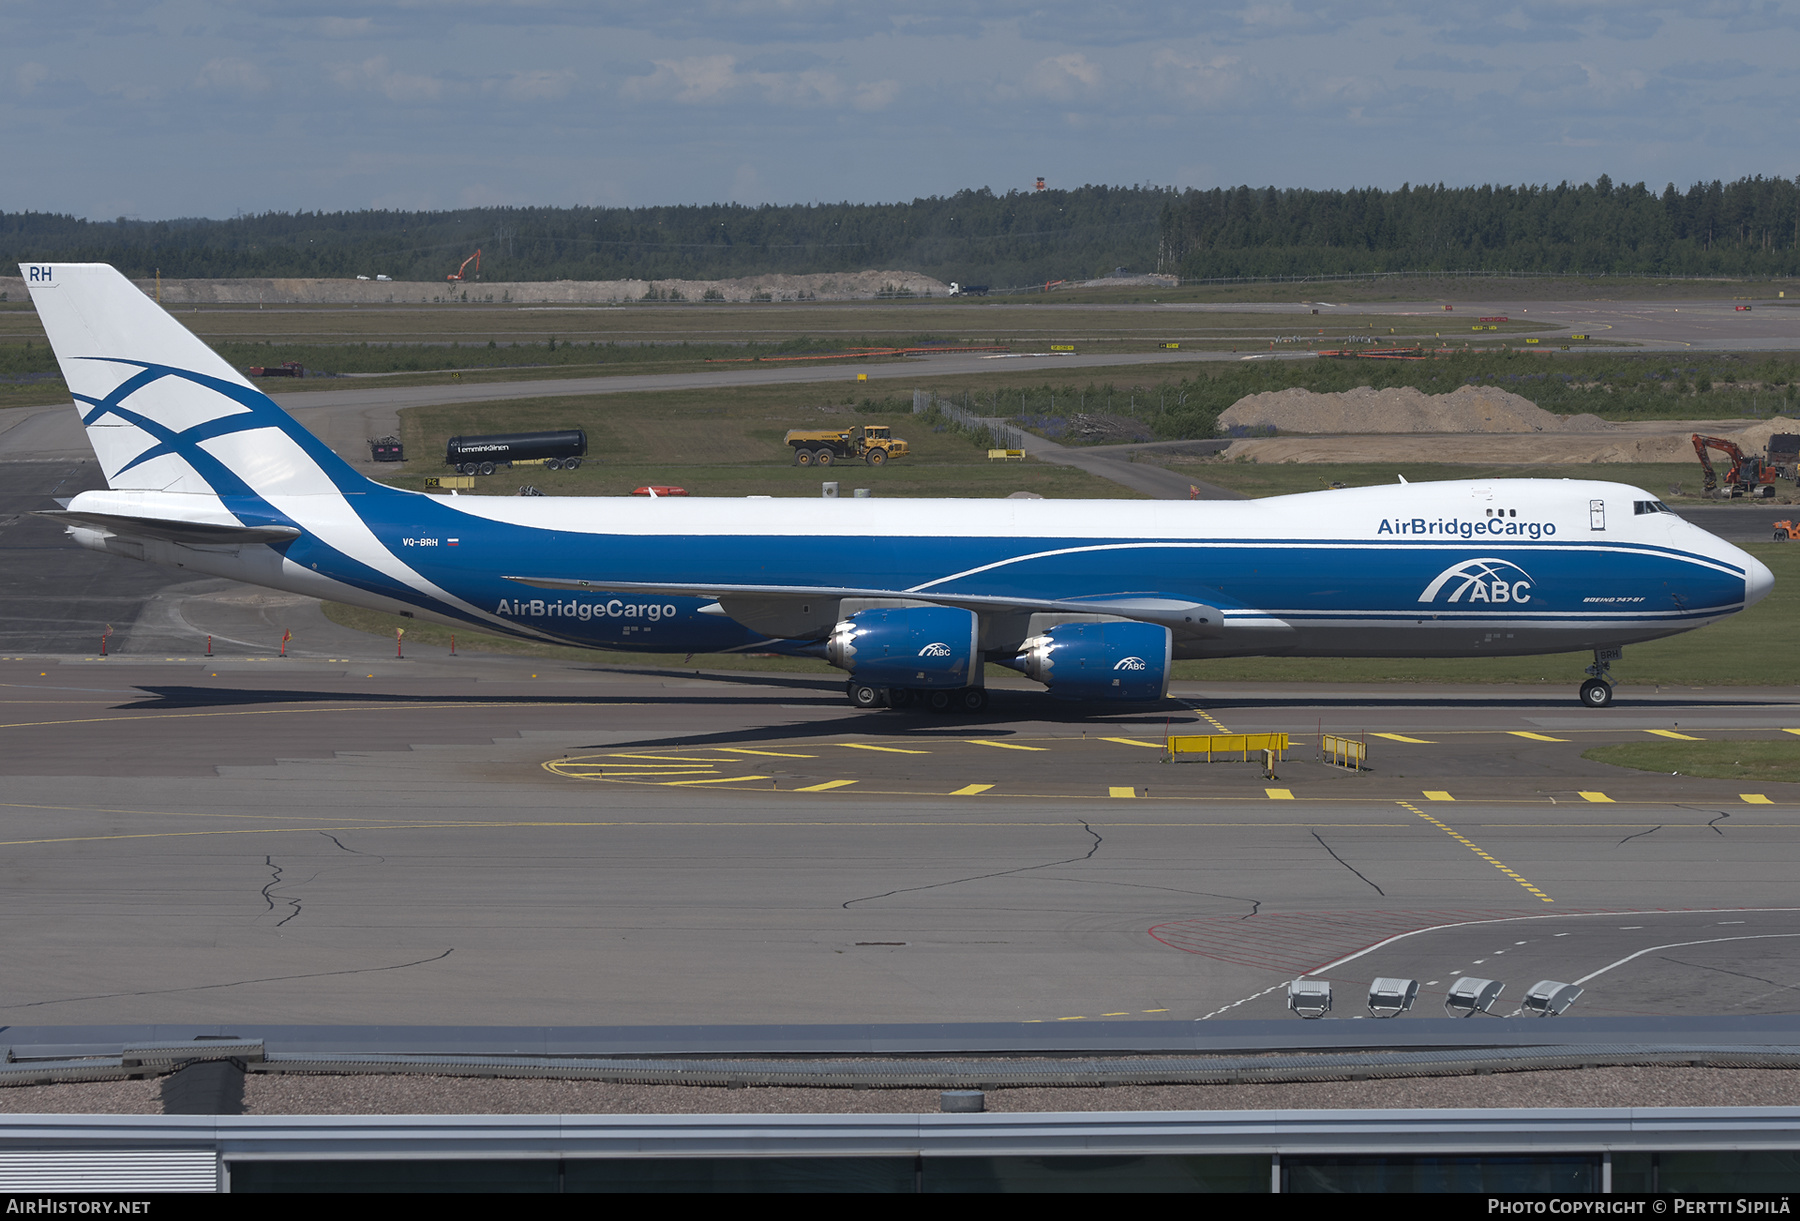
1178	614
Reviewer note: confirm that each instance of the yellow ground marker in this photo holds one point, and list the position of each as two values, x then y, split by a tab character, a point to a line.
1280	794
1466	842
1135	742
1670	733
1117	791
779	754
829	784
892	750
1586	796
970	790
1212	720
1535	737
1400	737
1438	795
1003	745
1783	731
1755	799
722	780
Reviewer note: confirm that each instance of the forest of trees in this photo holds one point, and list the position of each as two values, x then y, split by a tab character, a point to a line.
973	236
1746	228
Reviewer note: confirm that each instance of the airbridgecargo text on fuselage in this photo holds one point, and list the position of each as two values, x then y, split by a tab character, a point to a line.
576	608
1454	527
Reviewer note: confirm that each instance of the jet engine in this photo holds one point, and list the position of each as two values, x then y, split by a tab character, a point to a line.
1094	661
911	646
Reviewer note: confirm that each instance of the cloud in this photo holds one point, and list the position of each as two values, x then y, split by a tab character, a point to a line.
538	84
228	75
1710	70
346	27
28	76
1441	63
1207	82
1065	76
876	95
697	79
376	75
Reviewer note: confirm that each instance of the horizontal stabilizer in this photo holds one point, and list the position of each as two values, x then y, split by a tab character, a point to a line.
168	530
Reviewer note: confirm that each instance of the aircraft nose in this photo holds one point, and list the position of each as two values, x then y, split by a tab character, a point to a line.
1758	580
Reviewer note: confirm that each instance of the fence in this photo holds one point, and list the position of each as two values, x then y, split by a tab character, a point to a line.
1344	752
1241	744
1002	434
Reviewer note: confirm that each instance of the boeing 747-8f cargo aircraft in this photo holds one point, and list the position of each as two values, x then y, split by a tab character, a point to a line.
1094	599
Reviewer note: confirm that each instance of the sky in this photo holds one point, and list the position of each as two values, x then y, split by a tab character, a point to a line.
190	108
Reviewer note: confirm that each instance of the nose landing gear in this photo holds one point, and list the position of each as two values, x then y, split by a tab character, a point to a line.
1597	691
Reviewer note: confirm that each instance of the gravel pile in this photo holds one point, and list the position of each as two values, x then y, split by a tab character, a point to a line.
1467	409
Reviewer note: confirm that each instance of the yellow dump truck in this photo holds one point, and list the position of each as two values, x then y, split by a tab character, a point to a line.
873	443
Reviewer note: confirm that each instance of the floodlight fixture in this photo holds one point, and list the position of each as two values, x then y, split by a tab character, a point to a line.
1392	997
1548	997
1310	998
1469	996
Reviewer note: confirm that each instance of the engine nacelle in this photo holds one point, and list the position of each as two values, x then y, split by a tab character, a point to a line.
1099	661
909	646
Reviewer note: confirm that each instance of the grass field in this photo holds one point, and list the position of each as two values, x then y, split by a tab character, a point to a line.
434	344
1713	760
730	444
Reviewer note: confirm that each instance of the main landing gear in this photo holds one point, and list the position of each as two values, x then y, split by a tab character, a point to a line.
1597	691
961	699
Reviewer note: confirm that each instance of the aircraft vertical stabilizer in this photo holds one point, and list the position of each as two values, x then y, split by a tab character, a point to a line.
163	411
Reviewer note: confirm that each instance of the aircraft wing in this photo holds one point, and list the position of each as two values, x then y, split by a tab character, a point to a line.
1178	614
171	530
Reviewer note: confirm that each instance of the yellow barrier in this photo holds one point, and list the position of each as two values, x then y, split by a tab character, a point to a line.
1345	752
450	481
1002	455
1241	744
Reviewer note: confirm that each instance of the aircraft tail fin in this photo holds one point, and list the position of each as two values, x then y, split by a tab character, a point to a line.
163	411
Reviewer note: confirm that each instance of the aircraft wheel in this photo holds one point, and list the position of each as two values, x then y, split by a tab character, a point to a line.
901	697
865	696
823	457
1596	694
940	701
974	699
803	457
876	457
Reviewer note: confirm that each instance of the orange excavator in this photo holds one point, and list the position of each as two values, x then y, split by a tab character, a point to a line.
1748	476
456	275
